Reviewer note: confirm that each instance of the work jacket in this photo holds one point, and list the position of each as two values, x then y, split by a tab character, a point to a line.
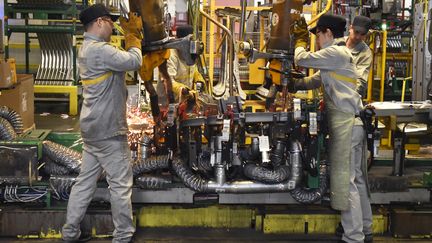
362	59
338	77
337	74
102	70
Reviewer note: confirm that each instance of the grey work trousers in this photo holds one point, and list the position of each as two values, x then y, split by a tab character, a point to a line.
113	156
357	220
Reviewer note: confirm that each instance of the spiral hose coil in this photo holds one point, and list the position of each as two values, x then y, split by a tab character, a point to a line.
152	163
63	155
13	117
7	131
195	182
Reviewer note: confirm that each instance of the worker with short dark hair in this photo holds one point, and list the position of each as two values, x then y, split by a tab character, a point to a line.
103	124
360	51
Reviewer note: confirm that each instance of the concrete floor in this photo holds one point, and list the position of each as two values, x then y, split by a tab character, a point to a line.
223	235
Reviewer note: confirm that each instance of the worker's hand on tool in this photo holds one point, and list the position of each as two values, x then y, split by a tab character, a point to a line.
301	33
133	30
292	85
187	94
152	60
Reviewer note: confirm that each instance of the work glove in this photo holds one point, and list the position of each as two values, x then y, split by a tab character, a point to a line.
292	87
187	94
296	84
152	60
301	33
132	30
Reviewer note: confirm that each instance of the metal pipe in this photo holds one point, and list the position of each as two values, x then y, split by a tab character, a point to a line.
404	87
327	8
144	146
243	4
247	187
231	49
220	174
383	64
371	75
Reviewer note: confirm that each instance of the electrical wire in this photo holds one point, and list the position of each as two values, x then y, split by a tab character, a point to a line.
23	193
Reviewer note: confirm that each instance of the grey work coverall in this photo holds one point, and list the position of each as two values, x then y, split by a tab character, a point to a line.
362	55
338	76
103	129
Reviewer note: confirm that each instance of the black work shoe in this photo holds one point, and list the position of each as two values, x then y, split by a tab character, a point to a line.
84	237
339	230
368	238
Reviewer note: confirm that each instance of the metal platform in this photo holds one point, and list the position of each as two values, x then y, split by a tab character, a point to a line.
187	196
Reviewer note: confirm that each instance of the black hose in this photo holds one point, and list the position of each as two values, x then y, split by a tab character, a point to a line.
7	131
152	182
279	174
295	162
152	163
52	168
13	117
204	163
251	153
265	175
195	182
62	155
307	195
278	153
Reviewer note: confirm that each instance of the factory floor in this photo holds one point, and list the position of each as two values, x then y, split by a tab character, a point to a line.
178	235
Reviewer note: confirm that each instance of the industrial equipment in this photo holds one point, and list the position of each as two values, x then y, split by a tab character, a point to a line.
210	149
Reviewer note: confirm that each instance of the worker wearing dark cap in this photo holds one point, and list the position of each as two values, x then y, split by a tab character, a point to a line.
360	50
362	57
338	77
103	124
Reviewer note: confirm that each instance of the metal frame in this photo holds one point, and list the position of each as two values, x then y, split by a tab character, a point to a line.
180	195
13	9
422	57
68	10
60	89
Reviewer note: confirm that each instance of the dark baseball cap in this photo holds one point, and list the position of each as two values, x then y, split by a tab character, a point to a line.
95	11
361	24
335	23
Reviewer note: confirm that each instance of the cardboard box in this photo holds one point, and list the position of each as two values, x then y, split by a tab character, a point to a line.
21	99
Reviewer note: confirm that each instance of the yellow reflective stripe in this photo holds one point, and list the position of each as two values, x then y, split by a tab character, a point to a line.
343	78
96	80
